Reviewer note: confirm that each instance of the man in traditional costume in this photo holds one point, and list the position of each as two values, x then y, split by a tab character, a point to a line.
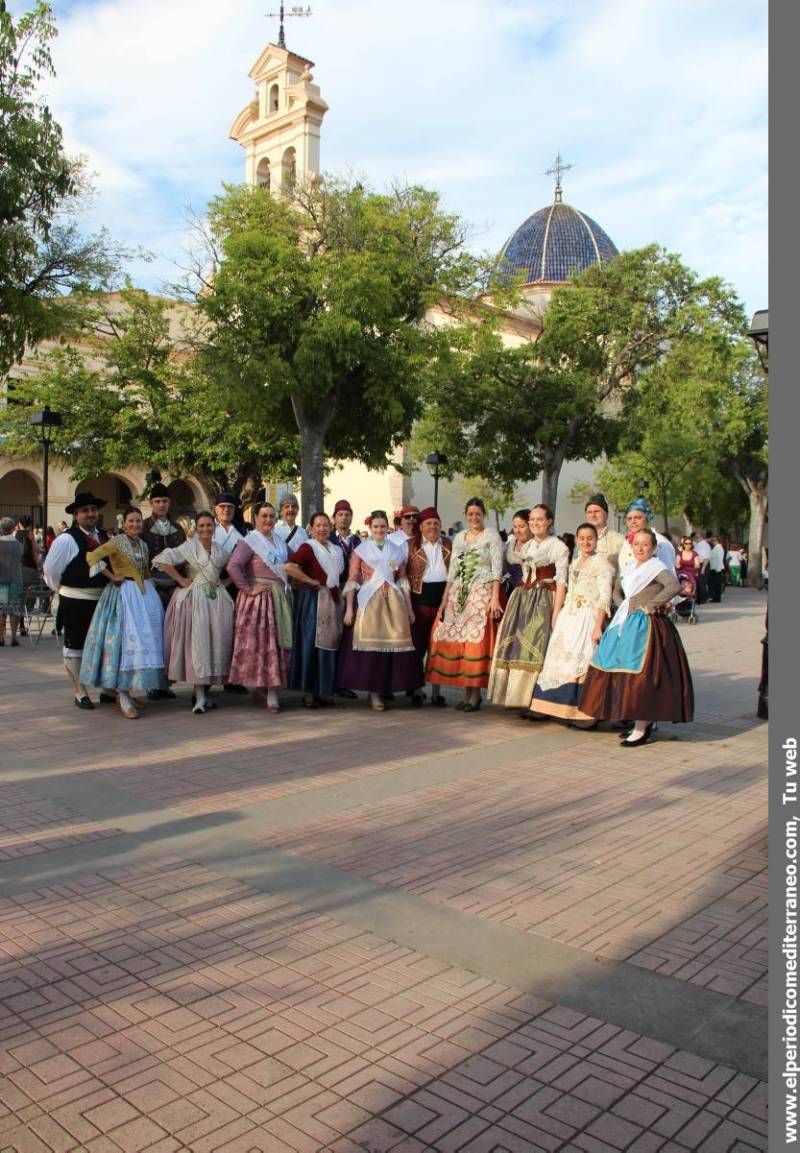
341	535
427	569
348	542
159	533
409	520
609	542
79	587
291	533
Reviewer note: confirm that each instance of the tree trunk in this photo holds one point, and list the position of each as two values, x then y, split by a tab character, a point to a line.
665	510
312	455
755	543
688	522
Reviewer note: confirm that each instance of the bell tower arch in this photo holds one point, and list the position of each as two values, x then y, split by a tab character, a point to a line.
279	129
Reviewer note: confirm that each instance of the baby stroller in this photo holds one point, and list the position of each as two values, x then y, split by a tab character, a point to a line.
685	604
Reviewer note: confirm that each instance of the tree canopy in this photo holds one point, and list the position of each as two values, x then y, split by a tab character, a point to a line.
315	303
513	414
43	255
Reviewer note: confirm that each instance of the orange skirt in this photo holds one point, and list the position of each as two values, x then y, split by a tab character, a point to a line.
462	644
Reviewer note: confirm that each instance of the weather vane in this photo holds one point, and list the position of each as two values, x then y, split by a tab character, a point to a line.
556	171
297	10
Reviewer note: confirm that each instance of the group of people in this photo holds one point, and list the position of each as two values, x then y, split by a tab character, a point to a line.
325	612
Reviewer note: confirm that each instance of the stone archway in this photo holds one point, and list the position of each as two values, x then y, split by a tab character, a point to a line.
117	491
21	494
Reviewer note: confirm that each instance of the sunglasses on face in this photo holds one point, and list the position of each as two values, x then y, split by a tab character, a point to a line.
412	517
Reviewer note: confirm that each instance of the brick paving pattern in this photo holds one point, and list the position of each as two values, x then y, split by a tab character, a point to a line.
165	1005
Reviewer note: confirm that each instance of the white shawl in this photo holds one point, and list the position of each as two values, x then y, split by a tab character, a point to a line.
635	578
274	553
385	562
331	561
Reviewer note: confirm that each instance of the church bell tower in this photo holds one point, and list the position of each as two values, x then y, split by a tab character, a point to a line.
280	128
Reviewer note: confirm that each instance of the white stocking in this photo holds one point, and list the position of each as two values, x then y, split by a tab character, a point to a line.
272	698
125	700
200	695
638	730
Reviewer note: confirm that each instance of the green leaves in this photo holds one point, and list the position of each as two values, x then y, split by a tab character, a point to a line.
42	254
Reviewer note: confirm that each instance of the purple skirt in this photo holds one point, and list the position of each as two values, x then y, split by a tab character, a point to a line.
372	672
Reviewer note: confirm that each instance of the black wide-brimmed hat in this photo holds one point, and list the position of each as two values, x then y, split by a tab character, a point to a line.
83	500
159	489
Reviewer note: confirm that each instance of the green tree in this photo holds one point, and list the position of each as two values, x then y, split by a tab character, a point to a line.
43	256
514	414
315	307
129	393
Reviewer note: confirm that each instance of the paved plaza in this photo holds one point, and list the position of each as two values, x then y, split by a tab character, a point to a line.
416	930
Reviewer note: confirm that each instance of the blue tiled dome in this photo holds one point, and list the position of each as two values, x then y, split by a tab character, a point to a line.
555	244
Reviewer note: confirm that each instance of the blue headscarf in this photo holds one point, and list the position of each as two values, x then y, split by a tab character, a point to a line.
640	505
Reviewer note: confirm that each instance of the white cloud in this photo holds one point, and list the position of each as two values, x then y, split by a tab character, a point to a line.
661	106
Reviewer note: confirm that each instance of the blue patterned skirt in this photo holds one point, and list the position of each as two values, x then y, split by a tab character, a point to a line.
124	648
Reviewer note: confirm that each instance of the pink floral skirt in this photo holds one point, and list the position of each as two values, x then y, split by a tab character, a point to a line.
258	660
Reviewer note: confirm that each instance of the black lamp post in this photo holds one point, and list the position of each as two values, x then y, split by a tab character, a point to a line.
44	423
437	463
759	334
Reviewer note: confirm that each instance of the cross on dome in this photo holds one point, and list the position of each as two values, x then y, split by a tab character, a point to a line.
558	167
297	10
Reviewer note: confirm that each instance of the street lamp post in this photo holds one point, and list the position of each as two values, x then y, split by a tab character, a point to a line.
437	463
43	424
759	334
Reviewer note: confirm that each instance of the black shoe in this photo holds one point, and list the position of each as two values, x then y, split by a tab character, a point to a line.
348	694
235	688
154	694
439	702
83	703
167	695
415	701
527	715
642	740
583	726
108	698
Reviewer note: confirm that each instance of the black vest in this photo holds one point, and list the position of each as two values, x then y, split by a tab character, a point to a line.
76	574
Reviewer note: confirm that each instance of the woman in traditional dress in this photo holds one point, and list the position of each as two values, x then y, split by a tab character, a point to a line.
530	615
10	580
316	567
577	630
639	668
428	563
463	637
124	648
262	641
512	562
377	654
198	629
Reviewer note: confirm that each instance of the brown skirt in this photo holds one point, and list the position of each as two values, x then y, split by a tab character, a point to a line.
661	691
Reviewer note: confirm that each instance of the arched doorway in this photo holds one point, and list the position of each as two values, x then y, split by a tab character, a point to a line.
115	490
21	495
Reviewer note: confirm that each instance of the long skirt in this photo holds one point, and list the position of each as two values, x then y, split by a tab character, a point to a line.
519	650
198	636
124	647
259	659
377	654
312	670
565	665
639	672
462	643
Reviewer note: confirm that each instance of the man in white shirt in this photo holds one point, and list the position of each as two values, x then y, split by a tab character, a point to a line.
716	570
287	527
226	534
79	587
703	550
409	518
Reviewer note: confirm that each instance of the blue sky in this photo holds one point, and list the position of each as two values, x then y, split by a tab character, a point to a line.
661	107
